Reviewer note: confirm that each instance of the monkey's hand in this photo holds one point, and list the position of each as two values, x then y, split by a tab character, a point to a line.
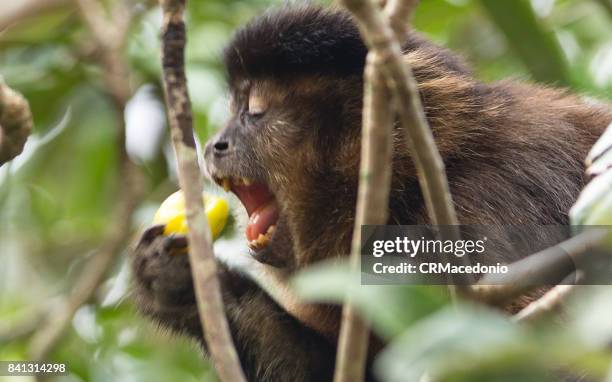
162	269
260	328
163	284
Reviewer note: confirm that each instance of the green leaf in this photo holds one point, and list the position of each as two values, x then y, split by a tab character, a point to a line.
389	308
591	316
449	341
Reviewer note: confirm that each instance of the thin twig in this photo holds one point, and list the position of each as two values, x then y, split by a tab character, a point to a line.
201	257
399	12
110	32
374	186
94	272
110	37
372	209
380	37
15	123
552	299
372	205
545	267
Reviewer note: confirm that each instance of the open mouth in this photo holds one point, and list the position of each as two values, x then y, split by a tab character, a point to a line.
261	206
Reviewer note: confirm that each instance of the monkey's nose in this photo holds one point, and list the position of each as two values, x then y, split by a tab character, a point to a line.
217	148
220	147
221	144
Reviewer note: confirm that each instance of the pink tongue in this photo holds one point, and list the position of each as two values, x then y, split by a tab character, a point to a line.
261	219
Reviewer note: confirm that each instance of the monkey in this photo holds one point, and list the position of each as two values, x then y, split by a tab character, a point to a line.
290	152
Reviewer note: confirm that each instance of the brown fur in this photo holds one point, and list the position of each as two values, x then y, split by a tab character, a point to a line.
513	154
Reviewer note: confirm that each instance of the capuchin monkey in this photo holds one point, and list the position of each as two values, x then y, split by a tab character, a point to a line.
290	152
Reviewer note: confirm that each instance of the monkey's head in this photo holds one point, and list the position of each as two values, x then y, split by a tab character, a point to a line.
290	151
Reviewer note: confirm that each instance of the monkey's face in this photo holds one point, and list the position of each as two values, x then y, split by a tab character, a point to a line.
283	140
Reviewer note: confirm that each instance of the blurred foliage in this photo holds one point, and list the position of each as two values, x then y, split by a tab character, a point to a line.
532	41
464	342
56	198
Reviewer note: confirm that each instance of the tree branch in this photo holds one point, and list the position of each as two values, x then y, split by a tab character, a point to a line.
372	209
551	300
130	177
15	123
110	37
549	266
399	12
201	257
374	185
380	38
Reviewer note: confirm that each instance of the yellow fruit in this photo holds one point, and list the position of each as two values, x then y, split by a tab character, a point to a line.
172	214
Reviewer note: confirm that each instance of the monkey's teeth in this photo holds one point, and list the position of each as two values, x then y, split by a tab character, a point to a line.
243	181
226	184
262	240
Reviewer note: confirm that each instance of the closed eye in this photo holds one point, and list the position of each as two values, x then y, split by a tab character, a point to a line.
257	106
255	114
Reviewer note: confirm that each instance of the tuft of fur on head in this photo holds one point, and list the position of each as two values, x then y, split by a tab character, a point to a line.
311	40
296	39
